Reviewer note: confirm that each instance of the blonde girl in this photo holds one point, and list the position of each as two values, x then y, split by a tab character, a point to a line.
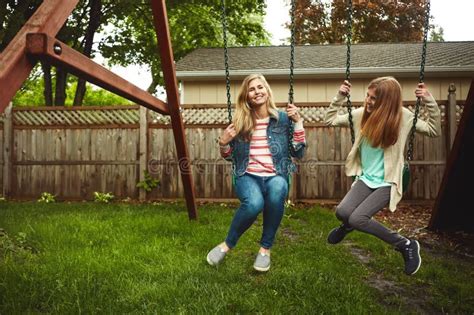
258	143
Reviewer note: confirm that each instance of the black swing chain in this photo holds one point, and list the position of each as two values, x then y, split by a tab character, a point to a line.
226	62
292	65
422	78
227	77
292	59
348	67
292	52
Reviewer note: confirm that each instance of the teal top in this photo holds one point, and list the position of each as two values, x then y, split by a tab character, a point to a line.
373	172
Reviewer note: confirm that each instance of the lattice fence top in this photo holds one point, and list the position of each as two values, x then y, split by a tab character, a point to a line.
131	116
71	117
310	114
212	116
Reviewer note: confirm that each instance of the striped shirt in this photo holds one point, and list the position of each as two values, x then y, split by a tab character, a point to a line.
260	157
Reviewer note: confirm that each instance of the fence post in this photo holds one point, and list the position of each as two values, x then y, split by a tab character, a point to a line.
7	152
293	193
451	119
143	150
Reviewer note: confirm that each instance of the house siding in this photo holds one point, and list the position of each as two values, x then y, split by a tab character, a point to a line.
319	90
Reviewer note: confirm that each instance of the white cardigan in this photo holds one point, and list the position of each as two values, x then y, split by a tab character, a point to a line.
393	155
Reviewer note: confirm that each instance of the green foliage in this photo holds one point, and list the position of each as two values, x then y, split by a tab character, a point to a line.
46	197
132	38
436	34
148	183
31	94
103	197
100	97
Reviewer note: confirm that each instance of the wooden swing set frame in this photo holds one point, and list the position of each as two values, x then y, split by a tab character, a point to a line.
36	41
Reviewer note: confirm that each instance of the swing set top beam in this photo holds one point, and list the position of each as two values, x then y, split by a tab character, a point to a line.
44	47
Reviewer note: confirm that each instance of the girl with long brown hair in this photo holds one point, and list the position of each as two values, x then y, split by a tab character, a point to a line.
376	160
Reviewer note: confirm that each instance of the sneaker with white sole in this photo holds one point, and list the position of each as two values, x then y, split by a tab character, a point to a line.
216	256
411	256
262	262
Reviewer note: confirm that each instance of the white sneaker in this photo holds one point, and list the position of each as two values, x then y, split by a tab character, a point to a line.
262	262
216	256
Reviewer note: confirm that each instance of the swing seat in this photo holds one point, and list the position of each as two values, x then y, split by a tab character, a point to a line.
406	176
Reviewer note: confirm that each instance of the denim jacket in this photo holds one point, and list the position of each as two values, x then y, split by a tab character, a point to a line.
277	136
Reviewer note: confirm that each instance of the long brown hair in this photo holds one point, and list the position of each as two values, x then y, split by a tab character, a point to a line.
244	122
382	126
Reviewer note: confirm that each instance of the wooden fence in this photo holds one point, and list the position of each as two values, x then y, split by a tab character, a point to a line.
73	152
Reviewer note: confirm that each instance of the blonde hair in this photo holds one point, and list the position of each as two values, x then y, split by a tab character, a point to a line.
244	121
382	126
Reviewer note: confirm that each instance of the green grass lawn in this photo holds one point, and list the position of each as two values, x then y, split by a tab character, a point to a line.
128	258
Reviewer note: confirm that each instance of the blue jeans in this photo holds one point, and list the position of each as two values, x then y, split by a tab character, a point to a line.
258	193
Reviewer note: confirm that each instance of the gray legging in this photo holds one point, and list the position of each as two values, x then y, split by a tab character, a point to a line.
358	207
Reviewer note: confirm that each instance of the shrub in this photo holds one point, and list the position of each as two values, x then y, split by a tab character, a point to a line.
148	183
103	197
46	197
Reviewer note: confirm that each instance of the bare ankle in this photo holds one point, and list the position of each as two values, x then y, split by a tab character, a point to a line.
264	250
224	246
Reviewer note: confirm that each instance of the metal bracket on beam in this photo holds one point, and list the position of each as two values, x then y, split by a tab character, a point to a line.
44	47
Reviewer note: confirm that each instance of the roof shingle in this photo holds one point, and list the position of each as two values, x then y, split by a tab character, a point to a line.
453	55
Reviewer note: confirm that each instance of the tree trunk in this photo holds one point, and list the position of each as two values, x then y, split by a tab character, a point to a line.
48	84
155	81
94	23
80	92
60	94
